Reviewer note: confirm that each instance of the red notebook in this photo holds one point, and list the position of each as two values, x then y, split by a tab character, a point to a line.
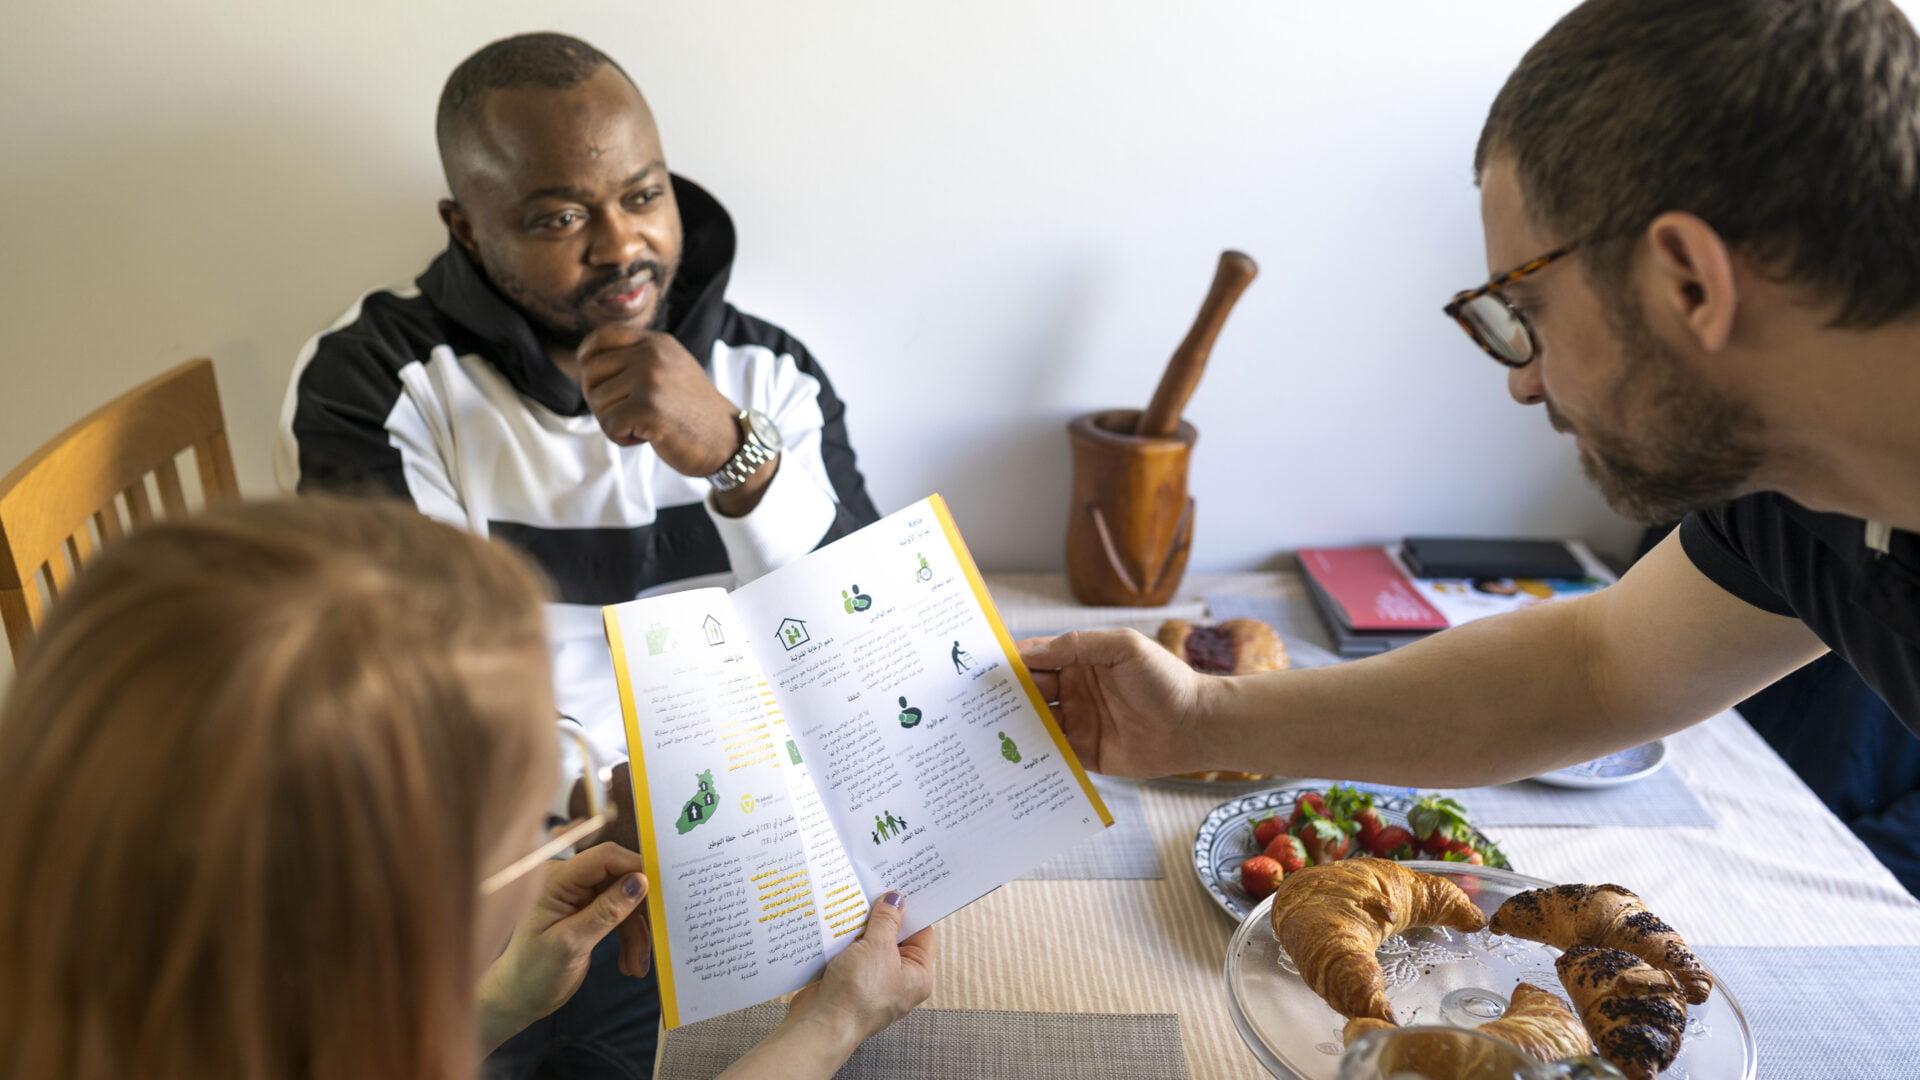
1369	589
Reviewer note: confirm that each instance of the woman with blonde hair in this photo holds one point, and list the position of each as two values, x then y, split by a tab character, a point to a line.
258	765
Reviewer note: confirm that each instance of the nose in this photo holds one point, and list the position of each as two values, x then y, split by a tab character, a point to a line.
1524	384
617	239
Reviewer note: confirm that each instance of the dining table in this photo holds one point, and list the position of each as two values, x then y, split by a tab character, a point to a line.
1774	890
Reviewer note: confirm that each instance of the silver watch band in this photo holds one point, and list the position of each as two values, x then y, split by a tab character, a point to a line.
745	461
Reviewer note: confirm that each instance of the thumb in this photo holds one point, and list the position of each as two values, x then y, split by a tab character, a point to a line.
1047	653
1091	647
614	903
883	922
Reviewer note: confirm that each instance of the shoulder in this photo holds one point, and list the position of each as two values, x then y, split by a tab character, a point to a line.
1764	526
1773	552
387	328
740	330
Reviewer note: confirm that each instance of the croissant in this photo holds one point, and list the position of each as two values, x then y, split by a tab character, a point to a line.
1635	1012
1362	1025
1541	1025
1537	1022
1332	918
1433	1053
1606	915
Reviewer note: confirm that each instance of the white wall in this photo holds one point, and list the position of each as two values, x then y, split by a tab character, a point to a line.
984	217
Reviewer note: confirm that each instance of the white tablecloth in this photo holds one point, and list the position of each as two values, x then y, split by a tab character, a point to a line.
1776	869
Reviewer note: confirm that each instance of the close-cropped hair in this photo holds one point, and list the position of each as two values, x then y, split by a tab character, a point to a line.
1792	127
252	763
546	60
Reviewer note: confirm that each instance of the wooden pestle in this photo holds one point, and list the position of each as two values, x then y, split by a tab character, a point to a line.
1162	418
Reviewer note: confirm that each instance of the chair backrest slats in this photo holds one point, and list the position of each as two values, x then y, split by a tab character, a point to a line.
139	503
52	503
173	498
58	570
215	462
107	520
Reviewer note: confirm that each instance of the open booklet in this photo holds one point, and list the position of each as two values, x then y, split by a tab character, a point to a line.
854	722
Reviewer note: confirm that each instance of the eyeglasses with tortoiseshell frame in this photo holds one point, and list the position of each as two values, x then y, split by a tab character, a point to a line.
1493	322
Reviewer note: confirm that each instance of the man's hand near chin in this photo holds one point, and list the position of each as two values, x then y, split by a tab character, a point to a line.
645	387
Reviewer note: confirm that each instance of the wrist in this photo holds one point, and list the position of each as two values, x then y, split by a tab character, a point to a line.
1218	709
829	1026
755	445
810	1042
495	1018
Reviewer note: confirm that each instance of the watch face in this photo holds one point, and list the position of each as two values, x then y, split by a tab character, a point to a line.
763	430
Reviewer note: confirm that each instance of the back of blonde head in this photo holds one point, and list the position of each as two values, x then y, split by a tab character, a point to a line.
251	767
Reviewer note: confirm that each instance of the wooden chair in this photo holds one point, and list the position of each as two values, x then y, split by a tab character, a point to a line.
64	501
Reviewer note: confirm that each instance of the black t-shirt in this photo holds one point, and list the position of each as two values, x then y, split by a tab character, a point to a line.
1818	568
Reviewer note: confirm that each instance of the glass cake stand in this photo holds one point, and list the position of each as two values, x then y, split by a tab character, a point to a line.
1439	976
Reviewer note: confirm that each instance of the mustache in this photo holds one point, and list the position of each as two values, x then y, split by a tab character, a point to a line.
585	293
1557	421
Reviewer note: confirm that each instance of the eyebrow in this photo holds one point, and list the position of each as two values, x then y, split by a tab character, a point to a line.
574	194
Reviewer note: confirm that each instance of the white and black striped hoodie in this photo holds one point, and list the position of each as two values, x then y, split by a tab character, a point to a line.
439	391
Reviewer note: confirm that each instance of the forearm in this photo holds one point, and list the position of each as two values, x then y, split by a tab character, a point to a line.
804	1047
1519	694
1494	700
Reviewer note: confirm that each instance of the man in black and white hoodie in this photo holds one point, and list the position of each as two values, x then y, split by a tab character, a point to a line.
568	375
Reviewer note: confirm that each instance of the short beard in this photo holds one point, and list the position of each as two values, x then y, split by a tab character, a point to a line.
1700	447
567	325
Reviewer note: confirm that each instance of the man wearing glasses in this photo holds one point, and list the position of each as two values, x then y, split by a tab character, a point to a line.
1711	213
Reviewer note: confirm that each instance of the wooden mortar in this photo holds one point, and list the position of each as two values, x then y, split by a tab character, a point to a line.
1131	524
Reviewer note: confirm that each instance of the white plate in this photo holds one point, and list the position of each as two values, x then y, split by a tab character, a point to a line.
1622	768
1296	1035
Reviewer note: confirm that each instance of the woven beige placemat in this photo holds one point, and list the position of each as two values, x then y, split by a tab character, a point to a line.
957	1044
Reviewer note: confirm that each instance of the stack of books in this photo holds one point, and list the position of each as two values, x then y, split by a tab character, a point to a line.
1372	599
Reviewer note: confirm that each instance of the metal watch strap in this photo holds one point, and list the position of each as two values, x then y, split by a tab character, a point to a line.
745	461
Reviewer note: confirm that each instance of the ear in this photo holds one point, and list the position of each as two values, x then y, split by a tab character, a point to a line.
458	224
1692	278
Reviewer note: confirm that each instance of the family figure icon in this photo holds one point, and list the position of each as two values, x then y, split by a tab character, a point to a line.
887	828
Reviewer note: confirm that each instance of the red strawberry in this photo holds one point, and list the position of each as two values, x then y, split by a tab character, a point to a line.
1469	856
1391	842
1438	822
1313	801
1260	876
1346	803
1288	851
1326	840
1370	826
1265	829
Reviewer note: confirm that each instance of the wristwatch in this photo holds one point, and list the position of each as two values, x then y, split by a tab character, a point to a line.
761	445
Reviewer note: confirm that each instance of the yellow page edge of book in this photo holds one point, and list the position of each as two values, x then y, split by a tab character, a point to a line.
643	815
979	586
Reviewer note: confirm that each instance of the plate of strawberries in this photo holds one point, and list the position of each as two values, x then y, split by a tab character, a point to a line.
1247	845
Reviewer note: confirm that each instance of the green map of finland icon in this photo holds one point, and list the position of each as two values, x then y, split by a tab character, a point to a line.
695	811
